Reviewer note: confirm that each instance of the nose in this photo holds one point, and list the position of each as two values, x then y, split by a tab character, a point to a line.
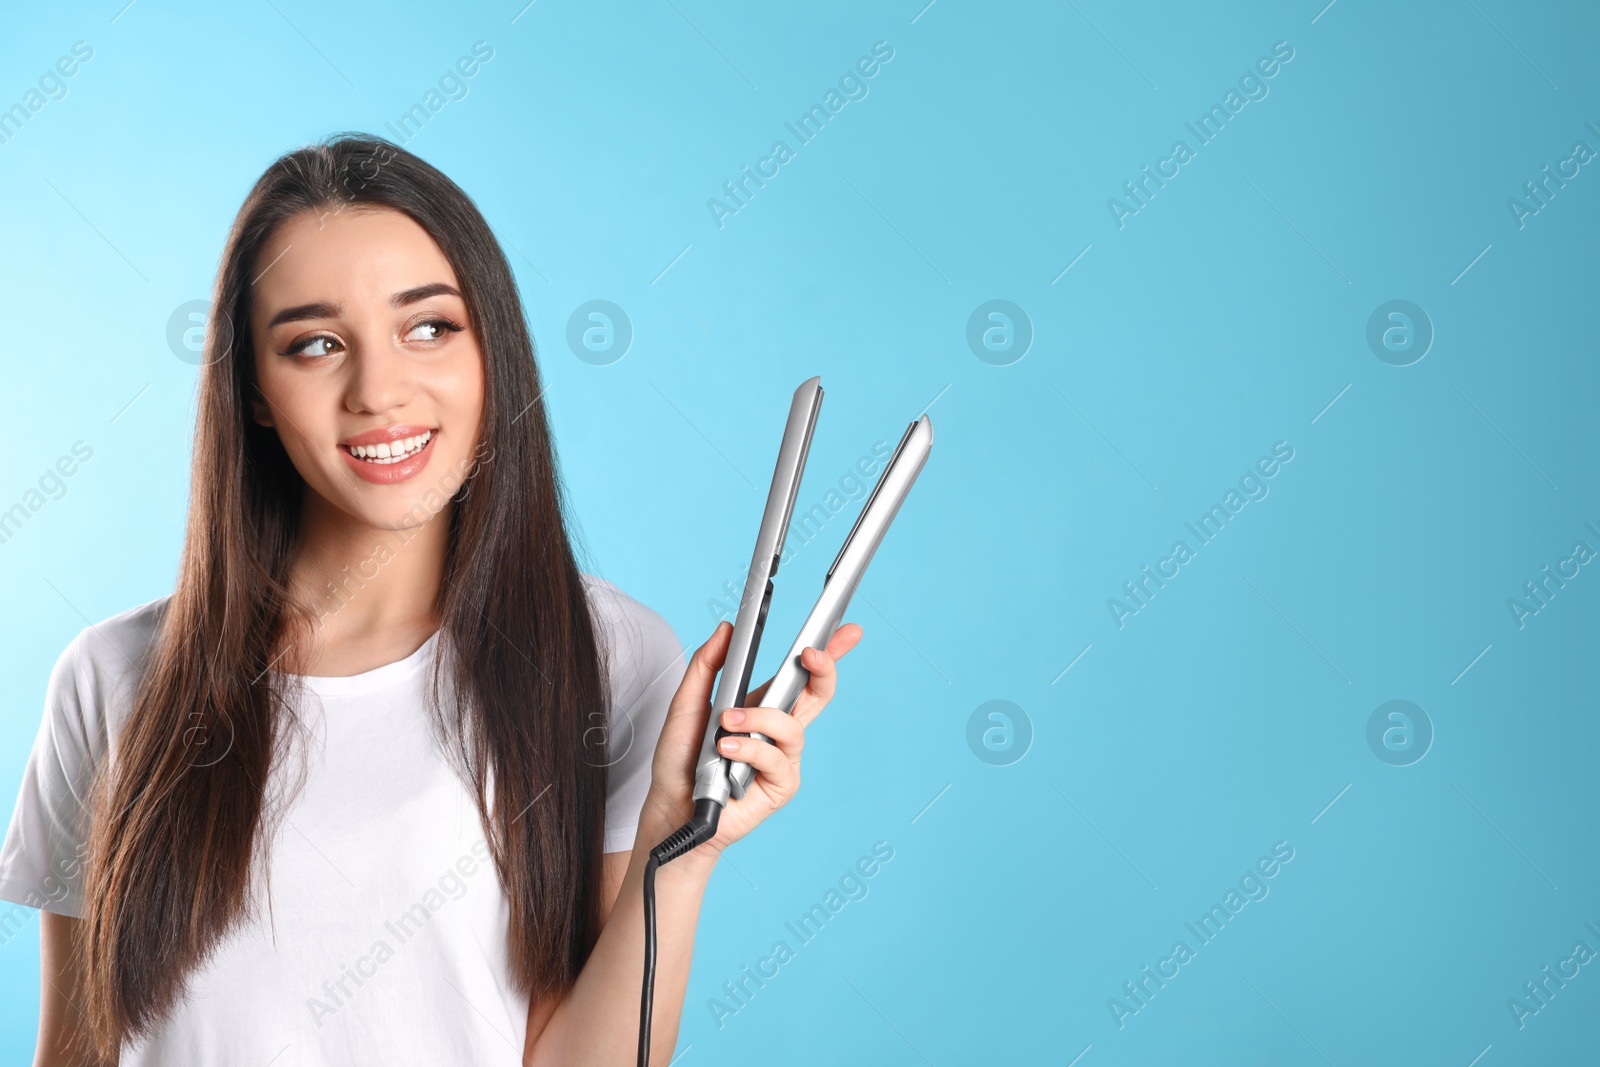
378	379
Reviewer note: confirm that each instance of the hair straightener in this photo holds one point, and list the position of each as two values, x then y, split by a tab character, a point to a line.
718	777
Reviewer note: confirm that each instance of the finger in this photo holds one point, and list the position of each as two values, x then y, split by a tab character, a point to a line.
782	776
823	668
777	724
843	640
694	693
819	687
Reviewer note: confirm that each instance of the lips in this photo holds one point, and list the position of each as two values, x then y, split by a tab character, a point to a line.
389	454
387	434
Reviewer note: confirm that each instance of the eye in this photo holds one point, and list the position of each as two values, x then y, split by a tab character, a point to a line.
438	326
305	345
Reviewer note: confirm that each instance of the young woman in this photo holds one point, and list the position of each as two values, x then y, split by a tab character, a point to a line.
376	783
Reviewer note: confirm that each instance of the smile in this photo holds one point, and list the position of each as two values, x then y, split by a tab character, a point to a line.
393	452
394	459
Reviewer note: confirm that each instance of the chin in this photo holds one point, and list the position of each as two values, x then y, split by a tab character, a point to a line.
407	511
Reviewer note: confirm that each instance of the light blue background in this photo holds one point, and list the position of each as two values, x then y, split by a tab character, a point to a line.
1222	318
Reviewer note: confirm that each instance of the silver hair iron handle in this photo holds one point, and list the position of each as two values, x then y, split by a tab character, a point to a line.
752	616
711	768
841	581
717	777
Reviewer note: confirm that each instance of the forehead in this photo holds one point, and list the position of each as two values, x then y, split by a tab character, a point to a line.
354	257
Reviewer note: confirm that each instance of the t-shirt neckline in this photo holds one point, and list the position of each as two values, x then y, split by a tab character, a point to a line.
387	676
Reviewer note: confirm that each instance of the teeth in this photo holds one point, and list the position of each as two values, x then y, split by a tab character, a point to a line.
393	452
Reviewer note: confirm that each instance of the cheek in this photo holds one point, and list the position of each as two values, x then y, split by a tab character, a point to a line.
276	384
292	403
270	395
463	396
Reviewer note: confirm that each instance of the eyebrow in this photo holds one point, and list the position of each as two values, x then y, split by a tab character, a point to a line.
323	309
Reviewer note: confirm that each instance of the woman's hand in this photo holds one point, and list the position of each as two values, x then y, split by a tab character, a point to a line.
596	1022
777	764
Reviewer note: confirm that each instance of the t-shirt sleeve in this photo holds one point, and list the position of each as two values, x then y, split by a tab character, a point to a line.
648	665
41	862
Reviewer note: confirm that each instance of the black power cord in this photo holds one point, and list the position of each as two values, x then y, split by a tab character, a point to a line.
700	828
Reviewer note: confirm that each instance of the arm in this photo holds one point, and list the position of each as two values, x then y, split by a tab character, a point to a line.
63	1025
598	1022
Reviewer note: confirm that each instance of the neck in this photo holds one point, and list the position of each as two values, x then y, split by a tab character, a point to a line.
366	586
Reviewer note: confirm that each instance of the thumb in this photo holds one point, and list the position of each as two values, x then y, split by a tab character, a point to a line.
694	692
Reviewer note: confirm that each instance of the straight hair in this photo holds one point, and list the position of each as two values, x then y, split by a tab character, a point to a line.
177	831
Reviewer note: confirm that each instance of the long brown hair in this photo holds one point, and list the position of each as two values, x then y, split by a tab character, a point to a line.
175	837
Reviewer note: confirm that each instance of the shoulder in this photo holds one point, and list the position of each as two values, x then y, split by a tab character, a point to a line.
87	698
635	637
639	646
126	636
615	608
94	678
645	663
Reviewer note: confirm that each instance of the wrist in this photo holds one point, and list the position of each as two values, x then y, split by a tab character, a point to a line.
661	816
694	866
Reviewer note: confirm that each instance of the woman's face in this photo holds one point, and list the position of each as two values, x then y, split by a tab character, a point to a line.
370	371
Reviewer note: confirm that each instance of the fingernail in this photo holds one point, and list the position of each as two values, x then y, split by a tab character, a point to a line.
729	744
733	716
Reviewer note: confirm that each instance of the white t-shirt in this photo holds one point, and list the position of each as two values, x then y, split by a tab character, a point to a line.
386	939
